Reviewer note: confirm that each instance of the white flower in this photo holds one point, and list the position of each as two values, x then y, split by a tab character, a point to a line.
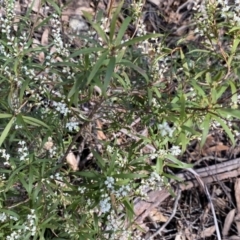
105	205
165	129
72	126
3	217
109	182
175	150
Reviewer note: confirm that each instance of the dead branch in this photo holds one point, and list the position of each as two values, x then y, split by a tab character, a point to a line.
208	175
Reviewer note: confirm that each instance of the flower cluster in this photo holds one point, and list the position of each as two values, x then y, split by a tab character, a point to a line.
115	224
57	176
230	10
4	217
123	191
29	227
52	151
109	183
105	203
121	161
174	150
61	107
154	182
57	39
23	150
165	130
72	126
6	156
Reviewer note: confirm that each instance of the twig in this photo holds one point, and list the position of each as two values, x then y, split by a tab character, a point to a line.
85	124
158	232
221	171
204	186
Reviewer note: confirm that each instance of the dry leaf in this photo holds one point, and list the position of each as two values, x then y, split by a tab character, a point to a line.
36	6
100	134
17	10
44	39
156	2
180	237
72	161
49	144
228	222
157	216
208	232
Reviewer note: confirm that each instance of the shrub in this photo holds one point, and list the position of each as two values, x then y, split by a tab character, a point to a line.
151	99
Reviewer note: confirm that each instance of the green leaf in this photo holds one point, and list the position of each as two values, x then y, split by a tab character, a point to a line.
206	126
185	64
234	92
169	176
177	162
129	209
23	89
5	115
135	67
100	32
183	107
113	22
55	6
149	94
86	51
221	91
138	39
208	78
233	50
199	74
129	175
234	29
183	140
229	112
22	178
109	73
159	165
34	122
122	30
96	67
225	127
91	175
99	159
6	131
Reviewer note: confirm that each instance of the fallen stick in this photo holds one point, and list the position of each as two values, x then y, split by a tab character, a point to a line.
208	175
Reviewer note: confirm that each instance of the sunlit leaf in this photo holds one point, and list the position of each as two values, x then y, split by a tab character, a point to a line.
34	121
6	131
206	126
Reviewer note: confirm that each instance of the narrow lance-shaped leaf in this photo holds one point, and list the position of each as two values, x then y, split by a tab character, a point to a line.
99	159
225	127
178	163
5	115
86	51
96	67
109	73
206	126
135	67
138	39
6	131
183	110
234	92
114	21
34	121
224	112
122	30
